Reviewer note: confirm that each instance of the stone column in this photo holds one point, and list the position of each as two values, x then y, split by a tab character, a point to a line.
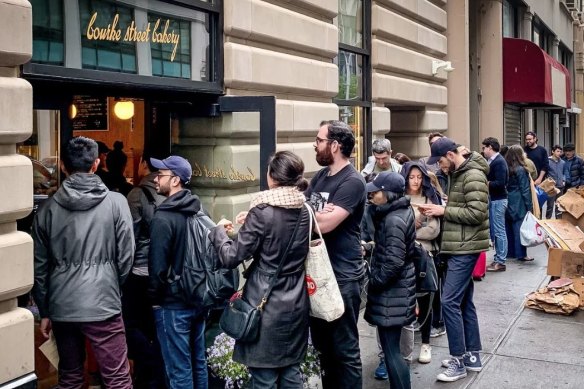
556	48
16	250
458	108
526	34
491	76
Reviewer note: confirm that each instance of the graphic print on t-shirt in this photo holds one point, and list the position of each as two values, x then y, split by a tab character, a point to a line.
319	200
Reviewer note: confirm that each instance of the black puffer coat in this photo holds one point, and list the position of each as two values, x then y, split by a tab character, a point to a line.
575	177
284	325
391	298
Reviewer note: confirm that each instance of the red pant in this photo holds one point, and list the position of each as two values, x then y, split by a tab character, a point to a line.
108	341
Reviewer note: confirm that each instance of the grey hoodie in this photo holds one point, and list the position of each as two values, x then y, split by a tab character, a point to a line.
84	245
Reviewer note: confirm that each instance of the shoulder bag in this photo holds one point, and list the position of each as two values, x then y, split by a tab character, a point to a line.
324	294
240	319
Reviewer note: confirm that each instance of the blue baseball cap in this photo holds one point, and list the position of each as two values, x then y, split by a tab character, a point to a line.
179	166
440	148
387	181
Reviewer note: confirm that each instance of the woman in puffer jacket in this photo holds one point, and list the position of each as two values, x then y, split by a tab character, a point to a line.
391	295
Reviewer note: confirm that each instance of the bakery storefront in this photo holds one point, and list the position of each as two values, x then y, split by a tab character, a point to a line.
127	73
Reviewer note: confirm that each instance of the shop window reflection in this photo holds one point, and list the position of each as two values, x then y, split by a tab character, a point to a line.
353	116
48	32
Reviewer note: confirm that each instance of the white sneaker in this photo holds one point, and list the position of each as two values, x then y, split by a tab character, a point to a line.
425	354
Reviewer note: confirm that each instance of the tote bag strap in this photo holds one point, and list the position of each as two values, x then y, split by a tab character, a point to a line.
312	222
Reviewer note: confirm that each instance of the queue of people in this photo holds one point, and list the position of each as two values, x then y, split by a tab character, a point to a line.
92	244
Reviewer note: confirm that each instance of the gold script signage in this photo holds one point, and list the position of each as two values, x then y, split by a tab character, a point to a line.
233	174
158	34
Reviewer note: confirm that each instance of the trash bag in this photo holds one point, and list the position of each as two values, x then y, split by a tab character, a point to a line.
531	233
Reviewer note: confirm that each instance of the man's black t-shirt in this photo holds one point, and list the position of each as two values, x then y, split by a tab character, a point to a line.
346	189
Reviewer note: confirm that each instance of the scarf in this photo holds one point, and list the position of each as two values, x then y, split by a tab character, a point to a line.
282	196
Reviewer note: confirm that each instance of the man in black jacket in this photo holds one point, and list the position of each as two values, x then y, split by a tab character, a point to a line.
497	178
180	325
83	249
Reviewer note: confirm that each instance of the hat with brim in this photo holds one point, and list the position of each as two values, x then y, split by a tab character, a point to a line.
387	181
179	166
440	148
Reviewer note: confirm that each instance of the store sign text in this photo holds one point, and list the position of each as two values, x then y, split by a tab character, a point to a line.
159	34
233	174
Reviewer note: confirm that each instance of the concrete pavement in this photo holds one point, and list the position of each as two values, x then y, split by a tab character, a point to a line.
522	348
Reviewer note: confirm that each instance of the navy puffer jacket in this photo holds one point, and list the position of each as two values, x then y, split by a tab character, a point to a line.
575	176
391	295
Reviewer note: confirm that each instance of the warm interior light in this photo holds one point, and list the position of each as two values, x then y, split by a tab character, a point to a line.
72	111
124	110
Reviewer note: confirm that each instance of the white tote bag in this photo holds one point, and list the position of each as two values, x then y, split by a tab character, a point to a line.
531	233
325	297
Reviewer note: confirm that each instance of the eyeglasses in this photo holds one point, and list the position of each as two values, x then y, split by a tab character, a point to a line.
165	175
318	140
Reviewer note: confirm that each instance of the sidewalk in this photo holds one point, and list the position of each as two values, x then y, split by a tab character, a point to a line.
522	348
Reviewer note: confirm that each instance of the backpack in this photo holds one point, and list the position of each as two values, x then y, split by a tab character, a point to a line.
201	282
426	275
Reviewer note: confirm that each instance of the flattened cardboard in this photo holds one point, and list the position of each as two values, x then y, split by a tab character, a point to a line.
578	284
572	202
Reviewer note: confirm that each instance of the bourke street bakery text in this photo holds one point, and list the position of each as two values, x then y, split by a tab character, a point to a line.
158	34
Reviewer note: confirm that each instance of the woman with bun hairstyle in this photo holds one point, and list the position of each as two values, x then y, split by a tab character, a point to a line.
274	357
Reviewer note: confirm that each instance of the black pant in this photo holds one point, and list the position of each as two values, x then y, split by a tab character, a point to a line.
437	319
281	378
397	368
143	346
338	342
425	317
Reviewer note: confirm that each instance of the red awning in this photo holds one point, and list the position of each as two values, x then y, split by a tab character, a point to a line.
532	78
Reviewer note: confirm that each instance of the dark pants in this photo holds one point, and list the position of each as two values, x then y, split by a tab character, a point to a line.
278	378
143	346
460	315
437	318
515	248
338	342
397	368
108	342
425	316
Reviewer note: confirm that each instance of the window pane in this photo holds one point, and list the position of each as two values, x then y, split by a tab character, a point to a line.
351	22
353	116
47	20
113	55
350	76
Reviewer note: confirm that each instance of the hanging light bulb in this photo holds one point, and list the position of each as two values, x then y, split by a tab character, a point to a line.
124	110
72	111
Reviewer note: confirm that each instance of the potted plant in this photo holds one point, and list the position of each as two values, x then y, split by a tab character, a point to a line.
232	375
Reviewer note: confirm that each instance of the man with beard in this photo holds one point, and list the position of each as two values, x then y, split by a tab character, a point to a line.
180	325
338	194
465	234
538	154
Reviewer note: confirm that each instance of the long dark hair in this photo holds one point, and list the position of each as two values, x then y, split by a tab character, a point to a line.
287	169
515	158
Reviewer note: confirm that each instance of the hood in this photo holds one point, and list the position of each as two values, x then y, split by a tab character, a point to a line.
427	189
81	191
474	161
183	202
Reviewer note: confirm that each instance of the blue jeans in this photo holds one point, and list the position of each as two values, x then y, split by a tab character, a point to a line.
460	315
497	210
397	368
338	342
181	333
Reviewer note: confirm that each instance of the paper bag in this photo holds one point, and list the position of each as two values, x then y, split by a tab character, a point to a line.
49	350
549	186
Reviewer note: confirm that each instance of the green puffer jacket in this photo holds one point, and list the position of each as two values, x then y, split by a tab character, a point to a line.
466	217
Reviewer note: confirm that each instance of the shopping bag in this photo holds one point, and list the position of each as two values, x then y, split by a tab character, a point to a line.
324	294
531	233
542	197
534	199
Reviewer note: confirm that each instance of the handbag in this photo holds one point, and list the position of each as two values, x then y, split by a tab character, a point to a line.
535	200
240	319
324	294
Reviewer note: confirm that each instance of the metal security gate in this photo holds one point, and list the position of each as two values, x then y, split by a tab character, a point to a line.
513	125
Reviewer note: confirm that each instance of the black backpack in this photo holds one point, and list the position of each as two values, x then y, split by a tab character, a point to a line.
426	275
202	282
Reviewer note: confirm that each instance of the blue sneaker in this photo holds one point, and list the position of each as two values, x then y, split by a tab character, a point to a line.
471	359
454	372
381	371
